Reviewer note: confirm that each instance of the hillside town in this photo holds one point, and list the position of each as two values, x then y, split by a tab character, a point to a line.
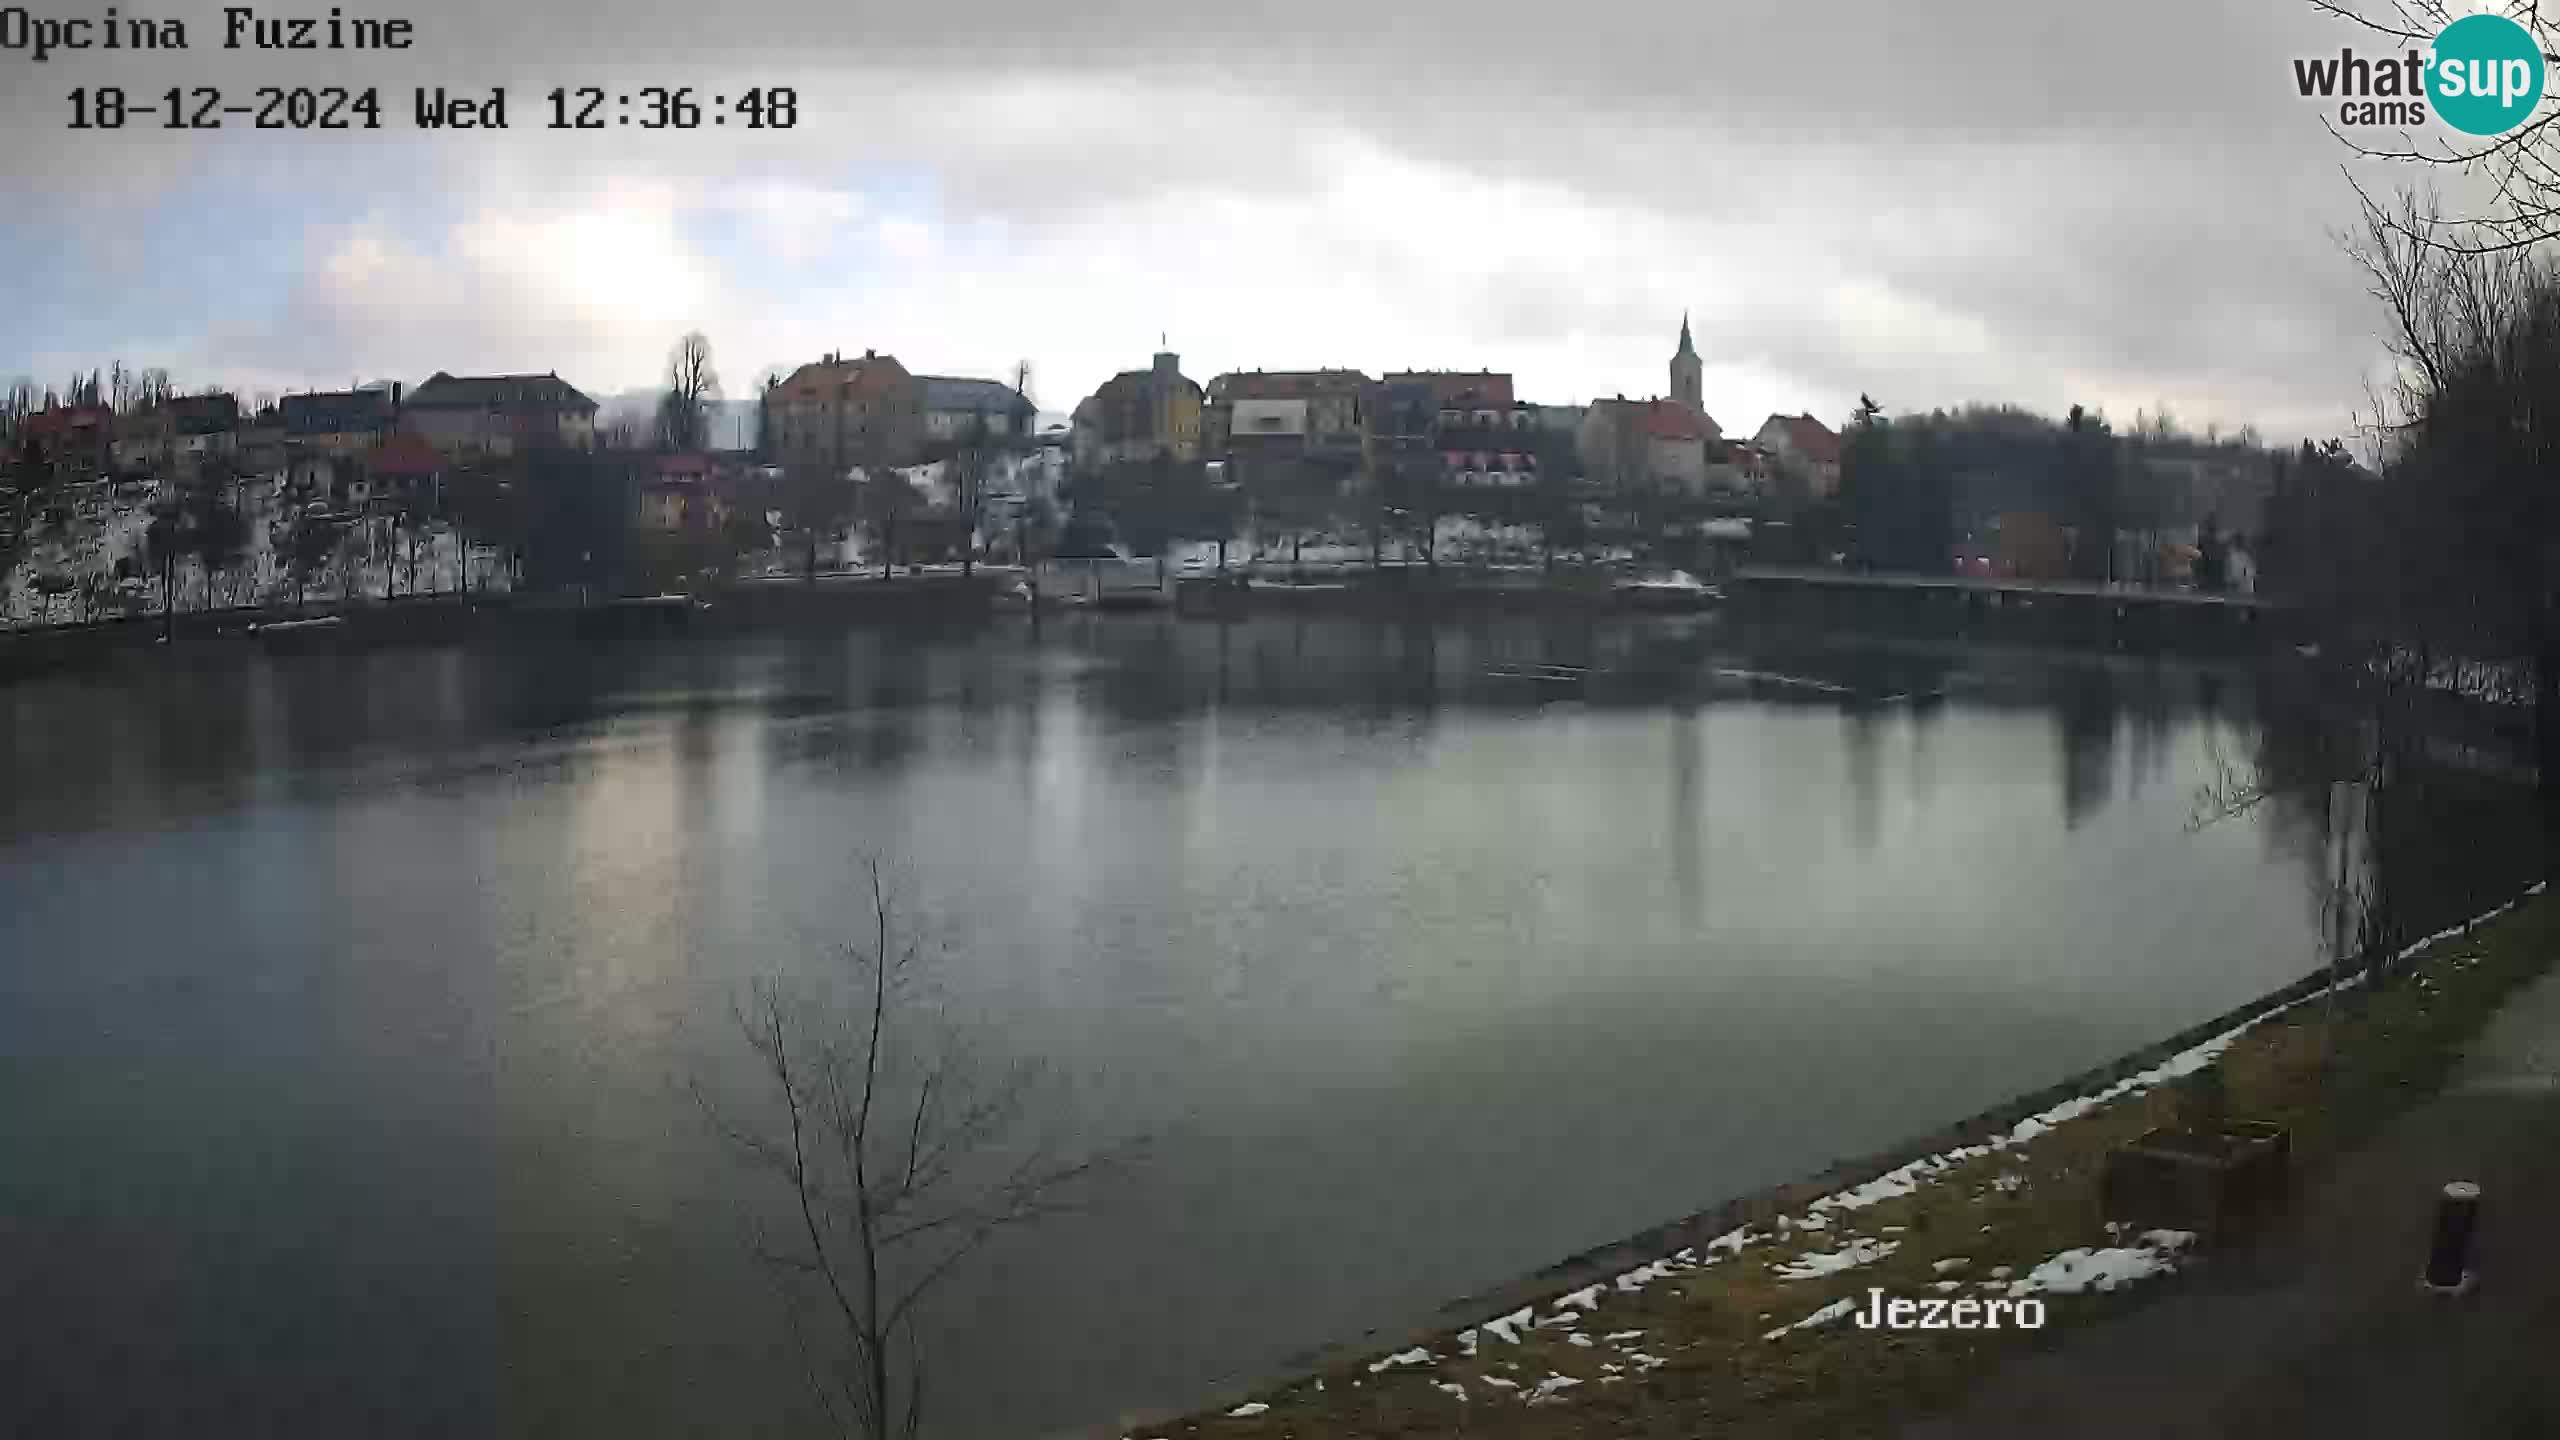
123	496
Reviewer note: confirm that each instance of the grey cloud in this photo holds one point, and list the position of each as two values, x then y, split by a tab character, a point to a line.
2142	194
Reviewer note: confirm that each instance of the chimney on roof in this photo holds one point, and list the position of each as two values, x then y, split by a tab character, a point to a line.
870	354
395	394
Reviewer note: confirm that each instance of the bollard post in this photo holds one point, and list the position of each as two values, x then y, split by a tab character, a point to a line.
2449	1269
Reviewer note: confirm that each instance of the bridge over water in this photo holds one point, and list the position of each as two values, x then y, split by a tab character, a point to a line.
2079	611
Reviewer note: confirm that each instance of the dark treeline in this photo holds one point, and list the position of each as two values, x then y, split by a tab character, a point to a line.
2069	497
2428	588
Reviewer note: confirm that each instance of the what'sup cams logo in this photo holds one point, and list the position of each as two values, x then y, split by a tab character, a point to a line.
2482	76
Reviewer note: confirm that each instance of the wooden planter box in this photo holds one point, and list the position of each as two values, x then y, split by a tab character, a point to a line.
2170	1179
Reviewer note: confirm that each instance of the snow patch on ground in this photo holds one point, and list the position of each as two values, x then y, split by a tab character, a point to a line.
1837	1309
1732	1242
2074	1272
1643	1275
1505	1329
1249	1408
1415	1356
1815	1264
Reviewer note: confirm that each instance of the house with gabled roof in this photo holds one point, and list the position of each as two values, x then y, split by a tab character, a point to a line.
473	415
1326	404
1139	414
837	412
403	467
955	405
338	422
1804	446
1655	444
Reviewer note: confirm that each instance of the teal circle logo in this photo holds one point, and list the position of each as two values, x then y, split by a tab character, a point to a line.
2485	75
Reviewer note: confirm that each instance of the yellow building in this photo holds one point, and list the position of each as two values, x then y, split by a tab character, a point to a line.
1138	414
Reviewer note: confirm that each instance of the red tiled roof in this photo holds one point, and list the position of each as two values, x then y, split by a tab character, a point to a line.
404	455
1291	384
1815	440
63	419
1666	420
870	375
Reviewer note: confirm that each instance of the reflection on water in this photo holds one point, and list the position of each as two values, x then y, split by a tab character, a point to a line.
349	1002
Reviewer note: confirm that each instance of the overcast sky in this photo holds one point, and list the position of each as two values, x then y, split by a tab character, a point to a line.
2042	204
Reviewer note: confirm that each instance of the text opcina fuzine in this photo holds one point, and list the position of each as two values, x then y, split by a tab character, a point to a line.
40	37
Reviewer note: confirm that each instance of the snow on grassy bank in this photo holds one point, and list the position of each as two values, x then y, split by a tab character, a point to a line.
1716	1334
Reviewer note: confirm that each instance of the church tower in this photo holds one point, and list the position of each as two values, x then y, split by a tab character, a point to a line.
1685	382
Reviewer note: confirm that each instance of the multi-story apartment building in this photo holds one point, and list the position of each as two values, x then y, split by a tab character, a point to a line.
837	413
1328	401
497	415
181	430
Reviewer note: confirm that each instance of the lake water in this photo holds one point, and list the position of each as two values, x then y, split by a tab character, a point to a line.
349	1005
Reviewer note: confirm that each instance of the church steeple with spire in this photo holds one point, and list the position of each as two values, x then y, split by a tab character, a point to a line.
1687	382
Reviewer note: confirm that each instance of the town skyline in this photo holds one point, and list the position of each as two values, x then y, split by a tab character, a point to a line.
731	416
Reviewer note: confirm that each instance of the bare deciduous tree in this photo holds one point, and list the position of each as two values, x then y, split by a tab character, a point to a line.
896	1157
684	411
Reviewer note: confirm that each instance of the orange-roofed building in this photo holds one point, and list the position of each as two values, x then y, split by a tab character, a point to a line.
77	439
683	492
837	413
1805	446
405	466
1647	444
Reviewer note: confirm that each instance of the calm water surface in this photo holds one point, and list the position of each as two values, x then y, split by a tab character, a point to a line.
347	1004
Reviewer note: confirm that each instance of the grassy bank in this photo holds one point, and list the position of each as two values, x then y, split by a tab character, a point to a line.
1707	1340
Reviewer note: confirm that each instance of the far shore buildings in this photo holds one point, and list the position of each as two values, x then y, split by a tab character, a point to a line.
685	492
1659	444
1316	410
837	412
1140	414
338	422
1804	446
465	416
77	440
181	430
404	468
954	406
